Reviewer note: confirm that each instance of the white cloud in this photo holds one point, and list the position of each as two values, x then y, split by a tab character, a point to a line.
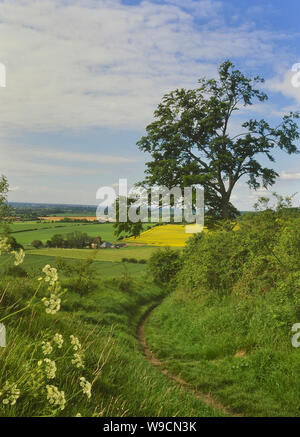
78	64
287	82
290	176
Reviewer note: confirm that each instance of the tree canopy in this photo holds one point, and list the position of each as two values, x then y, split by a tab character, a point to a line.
190	140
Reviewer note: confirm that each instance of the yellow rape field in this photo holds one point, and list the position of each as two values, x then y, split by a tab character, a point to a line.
166	235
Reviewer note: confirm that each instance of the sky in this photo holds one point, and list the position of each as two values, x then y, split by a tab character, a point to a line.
83	78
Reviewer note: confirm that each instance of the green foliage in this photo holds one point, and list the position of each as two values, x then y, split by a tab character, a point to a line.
81	274
125	283
5	210
189	141
12	242
164	264
127	228
37	244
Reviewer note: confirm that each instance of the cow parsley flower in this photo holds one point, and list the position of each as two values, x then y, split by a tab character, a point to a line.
52	304
4	245
86	387
50	368
51	274
11	392
47	348
58	339
75	342
19	257
78	360
55	397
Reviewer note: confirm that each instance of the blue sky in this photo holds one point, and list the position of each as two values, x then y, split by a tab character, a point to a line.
84	77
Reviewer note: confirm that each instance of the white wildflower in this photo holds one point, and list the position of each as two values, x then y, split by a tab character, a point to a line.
52	304
19	256
58	339
78	415
86	386
4	245
78	360
50	368
11	393
47	348
75	342
56	397
51	274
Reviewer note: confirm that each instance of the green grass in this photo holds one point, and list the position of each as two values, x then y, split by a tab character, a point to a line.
107	269
25	233
105	320
240	351
114	255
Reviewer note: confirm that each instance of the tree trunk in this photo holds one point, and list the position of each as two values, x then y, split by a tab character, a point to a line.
225	209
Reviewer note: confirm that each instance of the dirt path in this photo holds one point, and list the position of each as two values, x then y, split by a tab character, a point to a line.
206	398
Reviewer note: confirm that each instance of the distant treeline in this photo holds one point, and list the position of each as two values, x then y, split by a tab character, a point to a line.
34	211
72	240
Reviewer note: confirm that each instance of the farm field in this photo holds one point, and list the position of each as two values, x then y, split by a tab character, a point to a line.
166	235
25	233
114	255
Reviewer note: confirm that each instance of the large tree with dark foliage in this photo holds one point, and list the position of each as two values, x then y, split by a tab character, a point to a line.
190	142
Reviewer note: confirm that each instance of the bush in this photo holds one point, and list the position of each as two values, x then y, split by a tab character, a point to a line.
37	244
132	260
142	261
125	283
164	264
124	260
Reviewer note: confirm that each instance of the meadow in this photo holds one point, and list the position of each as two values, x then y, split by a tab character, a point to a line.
227	327
216	341
105	321
26	232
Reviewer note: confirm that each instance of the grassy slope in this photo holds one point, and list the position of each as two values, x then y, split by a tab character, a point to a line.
128	385
100	255
239	350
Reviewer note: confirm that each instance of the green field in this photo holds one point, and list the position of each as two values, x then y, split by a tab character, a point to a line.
98	254
25	233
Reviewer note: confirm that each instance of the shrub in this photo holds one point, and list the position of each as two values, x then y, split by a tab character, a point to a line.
37	244
125	283
124	260
164	264
132	260
142	261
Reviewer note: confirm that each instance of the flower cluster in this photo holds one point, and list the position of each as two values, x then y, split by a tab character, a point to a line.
58	339
78	360
51	275
52	304
50	368
11	393
19	257
55	397
4	245
75	342
86	387
47	348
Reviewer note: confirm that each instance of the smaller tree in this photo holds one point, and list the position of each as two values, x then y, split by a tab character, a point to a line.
37	244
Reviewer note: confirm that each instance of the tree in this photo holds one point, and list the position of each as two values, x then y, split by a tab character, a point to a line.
190	141
37	244
5	210
13	244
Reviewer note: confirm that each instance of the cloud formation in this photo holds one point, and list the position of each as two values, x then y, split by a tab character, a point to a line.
79	64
